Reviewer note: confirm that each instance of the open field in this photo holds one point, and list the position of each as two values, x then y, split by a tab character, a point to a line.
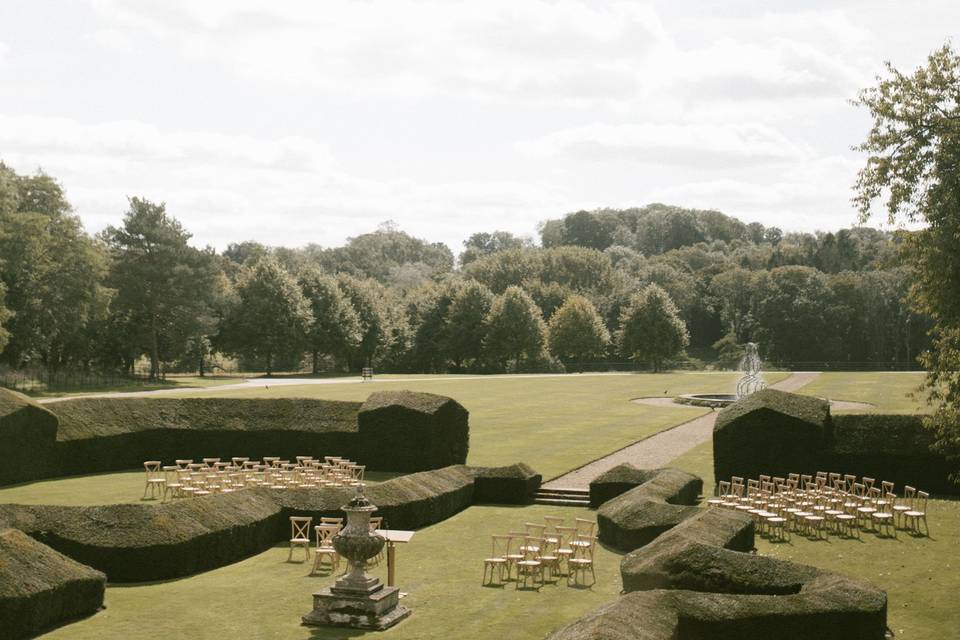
173	381
919	574
888	391
554	424
264	596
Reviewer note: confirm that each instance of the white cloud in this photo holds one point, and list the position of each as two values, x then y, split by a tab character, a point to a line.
670	143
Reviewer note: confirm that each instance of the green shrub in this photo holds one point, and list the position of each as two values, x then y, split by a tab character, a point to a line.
635	518
27	437
888	447
609	484
515	484
410	431
40	588
770	432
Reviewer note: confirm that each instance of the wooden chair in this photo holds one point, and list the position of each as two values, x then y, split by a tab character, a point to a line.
884	516
917	514
565	551
909	495
530	568
497	562
582	562
300	535
551	531
171	482
514	553
324	550
155	479
336	521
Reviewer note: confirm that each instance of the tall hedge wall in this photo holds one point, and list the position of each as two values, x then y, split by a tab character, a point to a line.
28	434
40	588
411	431
889	447
776	433
104	434
770	432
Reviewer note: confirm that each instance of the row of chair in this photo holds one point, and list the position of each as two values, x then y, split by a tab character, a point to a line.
187	478
815	506
325	556
542	552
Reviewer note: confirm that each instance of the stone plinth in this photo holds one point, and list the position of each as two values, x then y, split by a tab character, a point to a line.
378	610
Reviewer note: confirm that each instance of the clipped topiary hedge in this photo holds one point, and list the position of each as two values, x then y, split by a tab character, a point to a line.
770	432
636	517
411	431
610	484
138	542
40	588
106	434
888	447
28	435
515	484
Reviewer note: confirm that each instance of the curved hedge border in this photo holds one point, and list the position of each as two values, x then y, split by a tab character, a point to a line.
696	582
397	431
639	515
58	589
137	542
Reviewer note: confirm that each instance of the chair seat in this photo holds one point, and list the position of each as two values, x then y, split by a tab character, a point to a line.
495	560
914	514
883	515
295	540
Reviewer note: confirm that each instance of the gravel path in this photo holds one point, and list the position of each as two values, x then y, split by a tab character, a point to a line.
662	447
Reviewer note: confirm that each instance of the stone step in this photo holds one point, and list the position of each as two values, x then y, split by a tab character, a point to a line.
561	491
561	502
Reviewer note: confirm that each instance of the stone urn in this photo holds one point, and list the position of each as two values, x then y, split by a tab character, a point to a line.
358	544
357	600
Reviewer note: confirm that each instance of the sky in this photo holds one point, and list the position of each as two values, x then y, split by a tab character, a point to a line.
295	122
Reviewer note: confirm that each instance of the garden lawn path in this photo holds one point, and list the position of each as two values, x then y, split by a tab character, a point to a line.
659	449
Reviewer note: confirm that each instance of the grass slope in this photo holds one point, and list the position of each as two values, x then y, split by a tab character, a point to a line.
264	596
554	424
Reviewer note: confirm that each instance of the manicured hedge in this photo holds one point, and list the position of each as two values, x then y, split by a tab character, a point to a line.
770	432
411	431
137	542
610	484
889	447
635	518
696	582
40	588
777	433
105	434
515	484
27	437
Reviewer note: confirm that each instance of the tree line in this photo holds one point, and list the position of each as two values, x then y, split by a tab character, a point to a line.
657	284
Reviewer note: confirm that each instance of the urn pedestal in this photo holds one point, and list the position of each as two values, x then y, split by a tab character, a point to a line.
357	600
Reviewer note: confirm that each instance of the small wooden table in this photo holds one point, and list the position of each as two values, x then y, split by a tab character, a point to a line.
393	536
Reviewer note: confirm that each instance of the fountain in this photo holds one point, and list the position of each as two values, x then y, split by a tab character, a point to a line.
750	382
357	600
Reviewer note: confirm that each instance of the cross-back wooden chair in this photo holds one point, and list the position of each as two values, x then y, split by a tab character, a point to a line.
300	535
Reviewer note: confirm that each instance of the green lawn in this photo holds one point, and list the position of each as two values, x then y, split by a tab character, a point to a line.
102	488
888	390
175	381
264	596
918	573
553	424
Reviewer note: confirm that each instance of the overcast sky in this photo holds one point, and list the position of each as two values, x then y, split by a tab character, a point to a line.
297	122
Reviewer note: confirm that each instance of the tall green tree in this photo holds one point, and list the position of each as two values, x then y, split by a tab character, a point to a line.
576	331
335	329
370	300
5	315
272	316
913	155
466	328
651	328
515	328
165	288
52	271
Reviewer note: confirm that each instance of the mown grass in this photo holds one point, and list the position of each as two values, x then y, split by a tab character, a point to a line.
130	386
888	391
265	596
920	575
102	488
554	424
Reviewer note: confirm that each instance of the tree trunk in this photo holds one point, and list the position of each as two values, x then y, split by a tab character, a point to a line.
154	350
269	363
316	364
200	369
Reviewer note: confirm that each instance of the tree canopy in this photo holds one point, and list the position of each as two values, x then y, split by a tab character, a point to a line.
651	329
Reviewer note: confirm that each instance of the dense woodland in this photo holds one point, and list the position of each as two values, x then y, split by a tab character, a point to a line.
658	285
